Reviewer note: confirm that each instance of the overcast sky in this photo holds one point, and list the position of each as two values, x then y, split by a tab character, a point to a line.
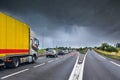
73	23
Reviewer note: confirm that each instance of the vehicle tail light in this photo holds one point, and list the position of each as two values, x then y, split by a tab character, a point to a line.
9	60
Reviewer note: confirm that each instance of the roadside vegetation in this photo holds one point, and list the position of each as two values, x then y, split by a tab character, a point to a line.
108	51
83	50
41	52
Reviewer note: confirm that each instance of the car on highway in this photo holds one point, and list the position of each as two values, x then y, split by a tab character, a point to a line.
61	52
66	51
51	53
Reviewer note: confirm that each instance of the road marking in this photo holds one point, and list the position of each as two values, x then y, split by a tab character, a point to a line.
73	71
102	57
50	61
115	63
40	58
39	65
56	59
82	68
14	73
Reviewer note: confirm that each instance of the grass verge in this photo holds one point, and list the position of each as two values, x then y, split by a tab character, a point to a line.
111	55
83	51
41	52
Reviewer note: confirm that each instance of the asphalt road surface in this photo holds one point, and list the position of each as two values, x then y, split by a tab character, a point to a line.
44	69
98	67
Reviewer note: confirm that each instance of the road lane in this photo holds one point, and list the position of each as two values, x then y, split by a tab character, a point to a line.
45	69
7	76
40	60
39	65
98	67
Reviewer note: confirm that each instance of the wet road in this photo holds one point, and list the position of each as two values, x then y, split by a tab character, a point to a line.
44	69
98	67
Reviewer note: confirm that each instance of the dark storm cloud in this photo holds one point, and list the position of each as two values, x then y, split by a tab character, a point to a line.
100	17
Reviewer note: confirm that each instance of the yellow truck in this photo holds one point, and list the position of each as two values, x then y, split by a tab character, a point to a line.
18	44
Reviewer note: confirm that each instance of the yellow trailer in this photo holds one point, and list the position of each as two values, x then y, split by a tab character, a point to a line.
15	42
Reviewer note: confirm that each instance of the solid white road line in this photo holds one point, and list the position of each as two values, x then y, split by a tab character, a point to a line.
73	71
14	74
115	63
50	61
82	68
39	65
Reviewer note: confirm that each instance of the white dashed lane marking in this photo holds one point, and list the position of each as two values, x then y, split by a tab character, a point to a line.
39	65
14	74
50	61
56	59
21	71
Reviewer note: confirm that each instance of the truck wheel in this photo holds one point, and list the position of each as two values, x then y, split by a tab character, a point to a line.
15	62
55	56
47	56
33	59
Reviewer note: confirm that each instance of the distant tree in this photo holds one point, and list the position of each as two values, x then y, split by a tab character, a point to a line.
47	49
118	45
107	47
69	47
65	48
95	47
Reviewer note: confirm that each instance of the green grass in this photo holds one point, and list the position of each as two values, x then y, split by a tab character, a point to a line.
57	50
41	52
109	55
83	51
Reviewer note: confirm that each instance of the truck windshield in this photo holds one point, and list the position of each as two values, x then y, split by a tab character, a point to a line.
36	42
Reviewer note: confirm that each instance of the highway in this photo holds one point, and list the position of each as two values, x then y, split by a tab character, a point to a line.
44	69
98	67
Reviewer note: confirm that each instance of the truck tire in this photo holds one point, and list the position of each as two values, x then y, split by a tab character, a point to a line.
14	64
55	56
34	59
47	56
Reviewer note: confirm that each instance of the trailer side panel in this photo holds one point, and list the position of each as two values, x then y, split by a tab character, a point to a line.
14	37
